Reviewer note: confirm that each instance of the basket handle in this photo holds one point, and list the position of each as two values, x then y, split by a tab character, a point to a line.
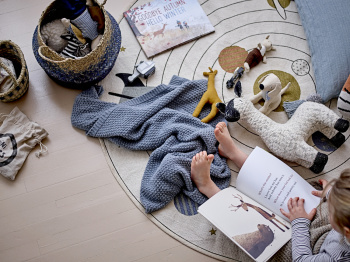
9	72
46	50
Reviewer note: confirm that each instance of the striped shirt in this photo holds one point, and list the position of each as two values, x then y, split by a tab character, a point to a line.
334	248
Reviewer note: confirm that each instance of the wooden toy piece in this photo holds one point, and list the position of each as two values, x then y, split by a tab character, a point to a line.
210	96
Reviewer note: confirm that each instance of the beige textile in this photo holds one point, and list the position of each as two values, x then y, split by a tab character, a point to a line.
5	79
18	136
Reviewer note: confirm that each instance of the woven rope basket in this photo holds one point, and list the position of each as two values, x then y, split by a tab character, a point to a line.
11	51
87	70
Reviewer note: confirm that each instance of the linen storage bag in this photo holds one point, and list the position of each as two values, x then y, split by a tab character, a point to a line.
18	136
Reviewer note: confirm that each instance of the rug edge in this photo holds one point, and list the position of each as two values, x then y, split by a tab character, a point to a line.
150	216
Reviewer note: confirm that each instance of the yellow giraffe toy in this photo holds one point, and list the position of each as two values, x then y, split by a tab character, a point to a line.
210	96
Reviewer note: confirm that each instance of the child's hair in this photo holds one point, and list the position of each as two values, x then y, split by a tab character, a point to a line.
339	199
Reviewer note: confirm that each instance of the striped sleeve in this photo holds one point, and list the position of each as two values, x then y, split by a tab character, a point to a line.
301	247
334	247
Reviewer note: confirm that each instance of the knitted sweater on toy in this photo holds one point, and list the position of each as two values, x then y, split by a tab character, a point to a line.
160	120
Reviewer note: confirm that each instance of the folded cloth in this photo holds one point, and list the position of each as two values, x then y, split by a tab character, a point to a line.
160	120
6	81
18	136
87	26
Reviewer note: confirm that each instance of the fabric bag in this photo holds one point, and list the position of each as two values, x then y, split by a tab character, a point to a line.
18	136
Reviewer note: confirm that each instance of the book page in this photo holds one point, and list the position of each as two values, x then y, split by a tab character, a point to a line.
247	223
272	183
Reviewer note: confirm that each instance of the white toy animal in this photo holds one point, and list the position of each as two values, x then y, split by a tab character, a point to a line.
288	140
271	91
51	35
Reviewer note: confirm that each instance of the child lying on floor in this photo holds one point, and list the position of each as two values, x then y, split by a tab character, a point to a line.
336	246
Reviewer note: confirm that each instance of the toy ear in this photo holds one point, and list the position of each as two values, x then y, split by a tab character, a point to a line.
221	107
65	22
238	88
268	37
263	78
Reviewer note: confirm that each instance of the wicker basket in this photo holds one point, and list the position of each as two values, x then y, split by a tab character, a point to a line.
85	71
11	51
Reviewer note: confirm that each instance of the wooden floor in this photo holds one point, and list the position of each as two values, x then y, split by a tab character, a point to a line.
67	206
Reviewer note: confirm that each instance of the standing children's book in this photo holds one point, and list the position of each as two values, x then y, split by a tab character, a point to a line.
250	214
162	24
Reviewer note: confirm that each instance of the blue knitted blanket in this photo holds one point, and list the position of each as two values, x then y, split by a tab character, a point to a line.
160	120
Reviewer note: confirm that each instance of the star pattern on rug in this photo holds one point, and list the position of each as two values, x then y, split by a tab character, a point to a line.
212	231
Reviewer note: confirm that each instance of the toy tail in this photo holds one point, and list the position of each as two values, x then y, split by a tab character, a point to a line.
291	107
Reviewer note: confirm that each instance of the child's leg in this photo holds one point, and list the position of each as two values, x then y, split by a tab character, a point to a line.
200	174
227	147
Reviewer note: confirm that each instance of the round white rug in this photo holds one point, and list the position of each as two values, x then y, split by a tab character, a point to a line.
239	26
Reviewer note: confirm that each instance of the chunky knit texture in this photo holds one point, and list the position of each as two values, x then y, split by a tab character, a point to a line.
160	120
288	140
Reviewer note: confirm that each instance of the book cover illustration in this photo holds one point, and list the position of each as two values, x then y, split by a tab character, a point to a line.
161	25
257	230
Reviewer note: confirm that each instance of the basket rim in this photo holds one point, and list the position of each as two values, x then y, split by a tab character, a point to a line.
23	67
90	54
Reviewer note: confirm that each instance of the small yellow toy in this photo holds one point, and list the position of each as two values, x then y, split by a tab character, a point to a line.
210	96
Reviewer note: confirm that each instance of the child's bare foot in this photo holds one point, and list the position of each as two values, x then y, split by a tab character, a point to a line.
200	174
227	147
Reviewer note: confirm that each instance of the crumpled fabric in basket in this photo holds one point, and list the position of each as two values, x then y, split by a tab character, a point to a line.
5	79
160	120
18	136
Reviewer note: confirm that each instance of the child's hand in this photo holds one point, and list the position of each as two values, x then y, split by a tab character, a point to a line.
297	210
324	183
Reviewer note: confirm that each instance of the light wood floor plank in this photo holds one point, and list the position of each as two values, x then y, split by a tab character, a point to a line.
124	245
67	205
20	253
174	255
113	207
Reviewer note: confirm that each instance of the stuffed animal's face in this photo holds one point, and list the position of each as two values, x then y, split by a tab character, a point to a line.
232	110
268	44
269	82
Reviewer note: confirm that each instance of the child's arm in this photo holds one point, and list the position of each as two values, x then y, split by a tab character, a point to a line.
301	247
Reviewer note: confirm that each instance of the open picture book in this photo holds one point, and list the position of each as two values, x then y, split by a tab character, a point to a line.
249	214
